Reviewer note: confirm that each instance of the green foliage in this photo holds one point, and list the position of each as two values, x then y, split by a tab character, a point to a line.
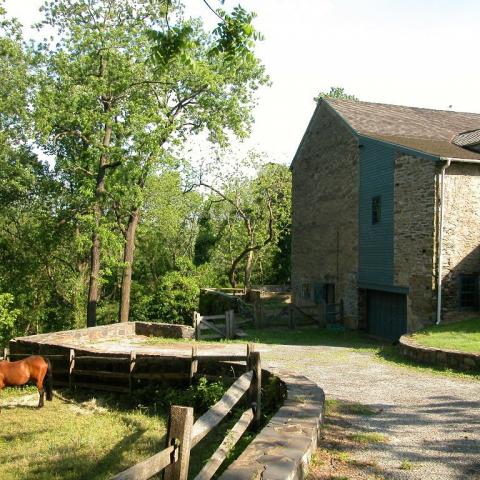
200	395
244	224
8	317
336	92
174	300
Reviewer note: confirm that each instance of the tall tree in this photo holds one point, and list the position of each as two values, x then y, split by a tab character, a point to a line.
253	214
109	104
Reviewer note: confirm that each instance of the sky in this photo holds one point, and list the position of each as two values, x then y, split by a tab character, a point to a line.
417	53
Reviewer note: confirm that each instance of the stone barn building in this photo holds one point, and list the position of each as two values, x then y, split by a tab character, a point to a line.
386	207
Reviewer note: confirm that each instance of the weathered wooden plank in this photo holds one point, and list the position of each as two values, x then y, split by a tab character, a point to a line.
193	364
99	386
101	373
71	366
213	327
161	375
41	354
217	413
92	358
212	317
256	386
149	467
179	433
232	438
221	358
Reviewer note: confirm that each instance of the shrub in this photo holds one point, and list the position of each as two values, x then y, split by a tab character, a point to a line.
175	300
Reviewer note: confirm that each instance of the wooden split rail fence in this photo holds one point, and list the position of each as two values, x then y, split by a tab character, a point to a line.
77	368
183	433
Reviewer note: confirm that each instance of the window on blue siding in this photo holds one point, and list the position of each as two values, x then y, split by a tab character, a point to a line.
376	209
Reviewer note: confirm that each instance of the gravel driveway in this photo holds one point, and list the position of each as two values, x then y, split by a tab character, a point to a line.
431	420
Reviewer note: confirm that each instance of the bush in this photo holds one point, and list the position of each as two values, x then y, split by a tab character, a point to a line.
175	299
201	396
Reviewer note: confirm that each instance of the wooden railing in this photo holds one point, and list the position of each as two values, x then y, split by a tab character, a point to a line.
210	327
183	434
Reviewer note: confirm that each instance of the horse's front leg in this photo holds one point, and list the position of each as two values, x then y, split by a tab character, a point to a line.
41	392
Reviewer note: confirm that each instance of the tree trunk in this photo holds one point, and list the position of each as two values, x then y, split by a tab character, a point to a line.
248	270
128	252
93	287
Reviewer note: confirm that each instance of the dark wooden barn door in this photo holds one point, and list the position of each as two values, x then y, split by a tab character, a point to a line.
386	314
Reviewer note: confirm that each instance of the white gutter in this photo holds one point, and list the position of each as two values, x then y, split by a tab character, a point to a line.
449	160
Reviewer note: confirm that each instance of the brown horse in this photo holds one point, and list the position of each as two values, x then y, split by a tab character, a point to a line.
22	371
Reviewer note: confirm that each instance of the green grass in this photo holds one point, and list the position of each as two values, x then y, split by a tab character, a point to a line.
406	465
462	336
88	435
85	439
368	437
335	407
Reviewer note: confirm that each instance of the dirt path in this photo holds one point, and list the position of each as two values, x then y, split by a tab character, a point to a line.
431	421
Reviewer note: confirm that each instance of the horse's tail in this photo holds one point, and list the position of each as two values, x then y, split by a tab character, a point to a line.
49	381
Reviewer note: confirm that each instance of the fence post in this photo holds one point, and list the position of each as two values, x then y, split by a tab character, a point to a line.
255	392
179	433
71	366
133	358
229	324
193	364
291	319
6	353
196	325
257	309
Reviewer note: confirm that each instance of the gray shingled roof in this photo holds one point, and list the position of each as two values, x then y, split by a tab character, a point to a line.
430	131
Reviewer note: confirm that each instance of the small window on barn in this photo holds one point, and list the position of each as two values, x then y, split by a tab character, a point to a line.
306	291
469	291
376	209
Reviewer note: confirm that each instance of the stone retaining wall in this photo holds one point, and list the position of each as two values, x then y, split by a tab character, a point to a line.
104	332
282	450
437	357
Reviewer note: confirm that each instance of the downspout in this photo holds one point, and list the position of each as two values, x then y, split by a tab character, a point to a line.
440	243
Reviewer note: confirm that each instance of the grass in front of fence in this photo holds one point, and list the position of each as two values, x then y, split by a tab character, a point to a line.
90	435
80	438
462	336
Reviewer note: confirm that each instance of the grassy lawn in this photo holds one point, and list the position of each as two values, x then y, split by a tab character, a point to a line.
463	336
83	438
89	435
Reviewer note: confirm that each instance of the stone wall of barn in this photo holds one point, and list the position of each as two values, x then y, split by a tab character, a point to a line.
414	236
325	213
461	244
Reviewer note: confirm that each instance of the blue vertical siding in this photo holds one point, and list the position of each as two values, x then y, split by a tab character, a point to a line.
377	163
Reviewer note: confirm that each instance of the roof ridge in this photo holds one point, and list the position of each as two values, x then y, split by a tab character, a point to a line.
345	100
